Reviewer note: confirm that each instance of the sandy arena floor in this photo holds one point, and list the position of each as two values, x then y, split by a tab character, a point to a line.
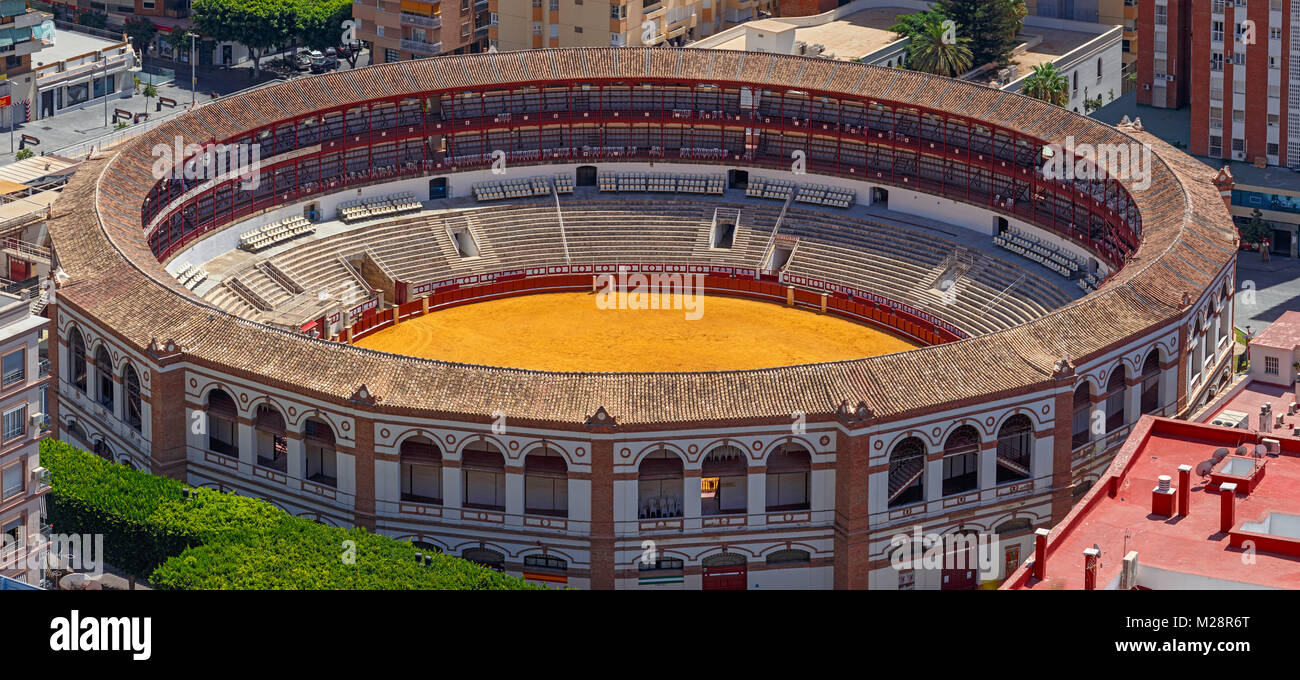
570	332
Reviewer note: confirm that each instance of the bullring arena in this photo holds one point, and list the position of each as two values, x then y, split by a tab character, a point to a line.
991	333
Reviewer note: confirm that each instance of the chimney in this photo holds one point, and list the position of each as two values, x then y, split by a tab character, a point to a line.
1128	572
1227	506
1162	498
1090	558
1040	553
1184	490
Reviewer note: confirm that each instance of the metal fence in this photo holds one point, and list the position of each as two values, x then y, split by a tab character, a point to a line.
81	149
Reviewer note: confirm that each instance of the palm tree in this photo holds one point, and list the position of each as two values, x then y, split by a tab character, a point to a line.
931	52
1048	84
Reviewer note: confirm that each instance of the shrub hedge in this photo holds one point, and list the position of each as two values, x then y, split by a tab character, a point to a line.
217	540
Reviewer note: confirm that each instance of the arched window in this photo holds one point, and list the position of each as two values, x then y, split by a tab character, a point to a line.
788	471
77	353
907	472
961	458
1115	389
104	378
103	450
726	559
484	470
724	482
1013	527
76	430
1099	69
488	558
546	483
1082	415
421	463
320	464
549	563
1151	382
789	556
1015	449
131	385
222	419
269	434
659	486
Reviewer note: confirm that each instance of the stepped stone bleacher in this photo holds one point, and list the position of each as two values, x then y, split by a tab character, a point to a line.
880	256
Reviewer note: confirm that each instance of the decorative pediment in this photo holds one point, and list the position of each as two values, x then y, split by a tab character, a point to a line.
601	418
854	414
1063	368
363	396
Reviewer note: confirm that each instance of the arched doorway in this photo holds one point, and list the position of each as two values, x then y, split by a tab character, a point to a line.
726	571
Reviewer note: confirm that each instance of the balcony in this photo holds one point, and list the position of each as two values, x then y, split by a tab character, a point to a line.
422	22
421	47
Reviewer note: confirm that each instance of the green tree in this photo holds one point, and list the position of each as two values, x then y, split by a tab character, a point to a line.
992	26
141	32
911	25
24	154
319	23
1048	84
93	20
934	50
259	25
149	93
1256	231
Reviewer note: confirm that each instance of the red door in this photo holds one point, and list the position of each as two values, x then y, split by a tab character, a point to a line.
962	574
726	578
19	270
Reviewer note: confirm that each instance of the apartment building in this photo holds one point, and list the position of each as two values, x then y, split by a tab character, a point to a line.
1110	12
1237	64
23	32
411	29
24	380
414	29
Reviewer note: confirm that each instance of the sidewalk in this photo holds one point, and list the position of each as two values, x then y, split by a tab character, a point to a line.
86	124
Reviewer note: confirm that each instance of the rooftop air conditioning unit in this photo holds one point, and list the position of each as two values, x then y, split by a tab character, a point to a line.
36	419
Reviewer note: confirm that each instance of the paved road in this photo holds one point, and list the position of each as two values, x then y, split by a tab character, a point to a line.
85	124
1275	286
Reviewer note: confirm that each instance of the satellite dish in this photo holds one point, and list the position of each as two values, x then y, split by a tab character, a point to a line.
1204	467
1243	450
1260	450
1219	454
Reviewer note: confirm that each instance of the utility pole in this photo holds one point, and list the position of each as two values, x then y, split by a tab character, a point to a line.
104	56
194	81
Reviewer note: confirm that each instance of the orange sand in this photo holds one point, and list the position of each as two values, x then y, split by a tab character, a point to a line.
570	332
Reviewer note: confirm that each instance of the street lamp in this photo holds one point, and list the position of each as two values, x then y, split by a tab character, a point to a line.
194	81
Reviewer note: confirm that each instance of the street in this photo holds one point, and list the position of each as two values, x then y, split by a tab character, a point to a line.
80	125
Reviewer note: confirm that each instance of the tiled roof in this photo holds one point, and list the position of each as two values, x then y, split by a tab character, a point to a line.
114	277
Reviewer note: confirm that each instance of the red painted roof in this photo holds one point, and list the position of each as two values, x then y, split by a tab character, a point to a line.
1253	396
1281	334
1115	514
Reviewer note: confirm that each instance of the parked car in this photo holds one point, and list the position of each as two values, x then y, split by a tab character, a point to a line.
324	63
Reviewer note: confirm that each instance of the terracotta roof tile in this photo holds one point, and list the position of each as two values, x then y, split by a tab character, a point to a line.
1187	239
